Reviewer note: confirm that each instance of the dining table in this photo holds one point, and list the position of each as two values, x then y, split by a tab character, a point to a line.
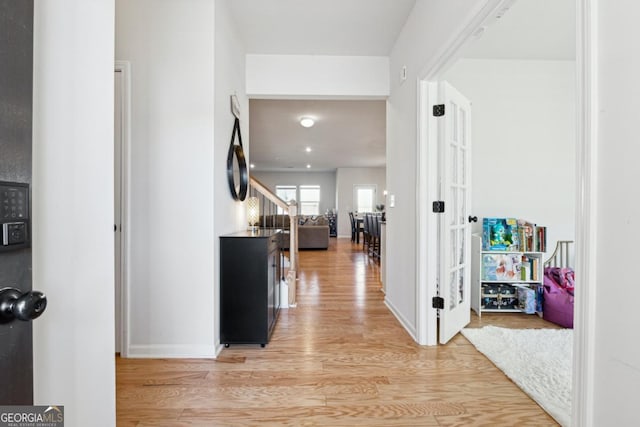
359	226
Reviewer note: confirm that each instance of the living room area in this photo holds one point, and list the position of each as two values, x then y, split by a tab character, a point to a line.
331	164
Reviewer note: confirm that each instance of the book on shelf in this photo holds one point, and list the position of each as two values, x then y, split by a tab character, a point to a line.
542	238
510	234
533	238
525	270
527	235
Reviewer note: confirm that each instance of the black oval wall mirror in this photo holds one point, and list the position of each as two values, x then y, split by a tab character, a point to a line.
237	173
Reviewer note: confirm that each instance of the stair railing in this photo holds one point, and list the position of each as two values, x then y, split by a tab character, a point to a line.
269	205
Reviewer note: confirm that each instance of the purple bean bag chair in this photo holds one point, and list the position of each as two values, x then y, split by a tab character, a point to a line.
558	296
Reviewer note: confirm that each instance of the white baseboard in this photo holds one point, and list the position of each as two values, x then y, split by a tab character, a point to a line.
219	348
403	321
160	351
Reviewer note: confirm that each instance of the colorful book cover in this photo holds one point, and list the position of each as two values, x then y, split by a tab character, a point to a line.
501	267
500	234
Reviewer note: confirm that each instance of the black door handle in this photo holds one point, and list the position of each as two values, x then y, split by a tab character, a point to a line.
14	304
473	218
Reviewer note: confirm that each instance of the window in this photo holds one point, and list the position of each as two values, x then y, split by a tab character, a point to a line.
309	199
286	193
365	197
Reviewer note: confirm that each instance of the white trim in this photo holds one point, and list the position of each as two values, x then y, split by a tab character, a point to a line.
406	324
586	209
481	18
158	351
427	227
219	349
124	67
427	179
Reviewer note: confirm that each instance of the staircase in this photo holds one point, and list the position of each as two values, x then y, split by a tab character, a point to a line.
269	204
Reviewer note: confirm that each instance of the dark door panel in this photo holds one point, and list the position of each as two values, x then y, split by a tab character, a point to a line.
16	94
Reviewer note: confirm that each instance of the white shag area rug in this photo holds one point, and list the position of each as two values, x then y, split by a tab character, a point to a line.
537	360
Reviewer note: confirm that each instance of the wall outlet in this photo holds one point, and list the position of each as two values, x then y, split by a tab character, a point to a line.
392	201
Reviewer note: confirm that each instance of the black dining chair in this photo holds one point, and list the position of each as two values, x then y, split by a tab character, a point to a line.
354	230
366	232
374	238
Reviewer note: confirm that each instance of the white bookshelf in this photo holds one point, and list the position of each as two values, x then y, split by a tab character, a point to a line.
484	278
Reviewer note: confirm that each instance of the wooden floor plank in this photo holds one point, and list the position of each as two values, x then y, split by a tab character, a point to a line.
339	358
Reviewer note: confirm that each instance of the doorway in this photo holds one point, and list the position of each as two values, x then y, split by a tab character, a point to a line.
524	109
524	122
584	202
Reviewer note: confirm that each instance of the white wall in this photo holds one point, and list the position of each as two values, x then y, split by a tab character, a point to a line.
346	178
326	181
617	350
72	196
290	76
431	25
170	46
229	79
523	136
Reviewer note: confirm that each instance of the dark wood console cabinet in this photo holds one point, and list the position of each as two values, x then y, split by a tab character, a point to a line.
249	286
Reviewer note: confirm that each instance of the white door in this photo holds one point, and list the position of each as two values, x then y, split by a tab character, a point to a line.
454	140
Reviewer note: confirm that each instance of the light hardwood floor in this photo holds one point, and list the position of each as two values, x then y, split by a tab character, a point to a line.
340	358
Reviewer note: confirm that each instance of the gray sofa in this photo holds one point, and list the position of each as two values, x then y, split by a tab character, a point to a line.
313	232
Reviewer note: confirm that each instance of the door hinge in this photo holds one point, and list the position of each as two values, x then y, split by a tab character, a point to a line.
438	206
438	110
437	302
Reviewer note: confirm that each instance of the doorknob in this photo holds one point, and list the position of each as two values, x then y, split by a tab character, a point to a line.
14	304
473	218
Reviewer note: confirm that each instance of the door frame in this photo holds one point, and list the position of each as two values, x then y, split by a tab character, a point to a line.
427	168
586	211
124	67
586	192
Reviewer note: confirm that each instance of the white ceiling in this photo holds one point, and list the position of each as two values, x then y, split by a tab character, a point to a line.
320	27
352	133
345	134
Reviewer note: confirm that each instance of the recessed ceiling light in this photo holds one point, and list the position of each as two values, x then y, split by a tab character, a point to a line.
307	122
308	149
252	165
308	166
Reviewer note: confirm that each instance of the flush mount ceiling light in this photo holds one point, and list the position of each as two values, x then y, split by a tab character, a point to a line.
307	122
252	165
308	149
308	166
